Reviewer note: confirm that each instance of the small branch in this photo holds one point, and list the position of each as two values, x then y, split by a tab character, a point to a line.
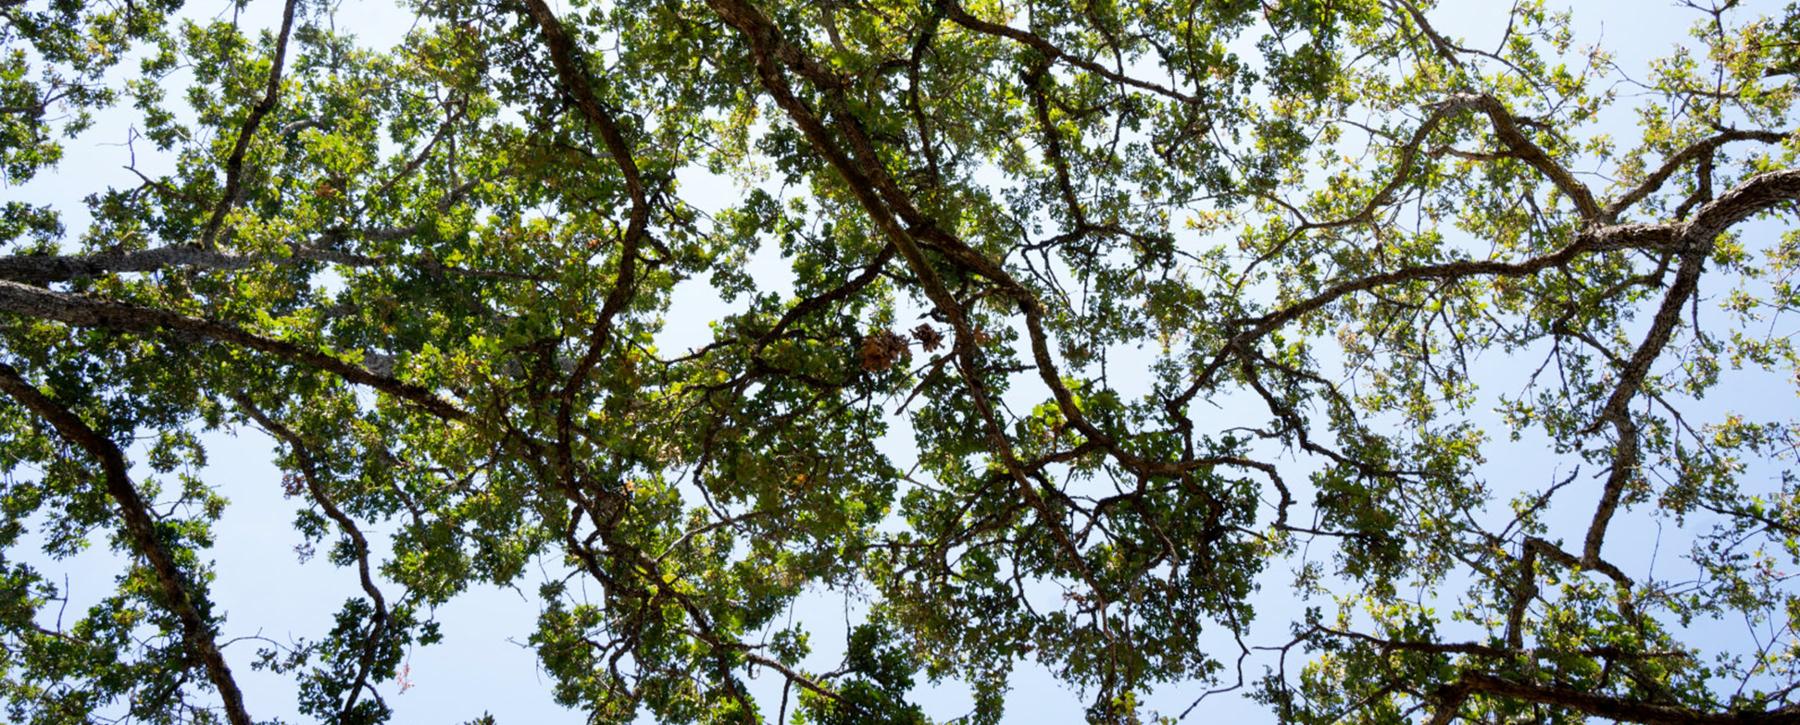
309	472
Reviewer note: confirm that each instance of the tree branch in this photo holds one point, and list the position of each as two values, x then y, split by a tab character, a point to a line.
28	301
140	529
234	164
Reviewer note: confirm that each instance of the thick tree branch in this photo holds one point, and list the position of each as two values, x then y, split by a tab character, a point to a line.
1506	127
29	301
43	269
572	71
140	528
1752	196
765	43
1602	706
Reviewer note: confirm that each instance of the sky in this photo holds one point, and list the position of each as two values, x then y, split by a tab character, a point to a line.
482	665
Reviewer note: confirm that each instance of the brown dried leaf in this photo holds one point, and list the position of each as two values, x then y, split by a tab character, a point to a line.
929	338
881	349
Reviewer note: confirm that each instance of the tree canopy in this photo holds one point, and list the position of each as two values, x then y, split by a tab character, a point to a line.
1296	350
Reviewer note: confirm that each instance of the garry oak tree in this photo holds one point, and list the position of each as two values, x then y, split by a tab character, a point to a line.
1305	354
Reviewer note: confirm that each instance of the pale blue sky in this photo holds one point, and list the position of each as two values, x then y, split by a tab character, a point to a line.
480	666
